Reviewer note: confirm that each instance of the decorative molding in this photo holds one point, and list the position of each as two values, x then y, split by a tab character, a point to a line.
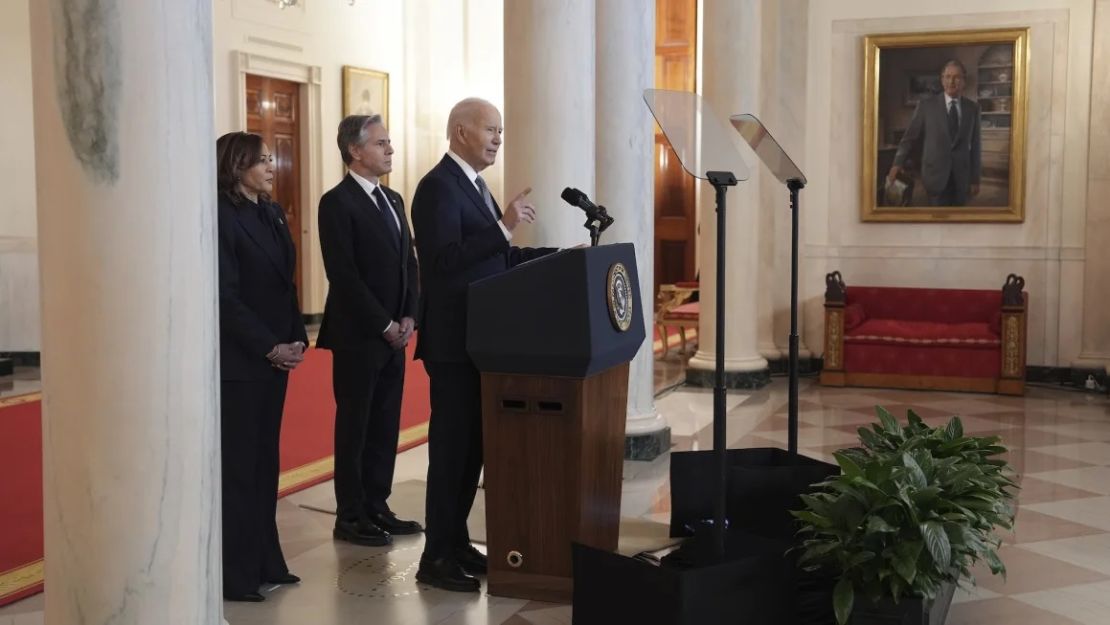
292	47
16	400
312	172
933	252
706	378
21	245
834	327
20	579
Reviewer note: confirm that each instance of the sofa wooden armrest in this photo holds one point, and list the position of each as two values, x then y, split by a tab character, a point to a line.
675	310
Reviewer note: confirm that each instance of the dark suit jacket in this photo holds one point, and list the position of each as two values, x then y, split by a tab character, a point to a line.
258	300
941	153
371	280
459	241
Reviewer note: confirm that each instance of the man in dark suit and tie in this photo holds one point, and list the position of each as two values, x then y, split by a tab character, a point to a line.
462	236
368	321
947	126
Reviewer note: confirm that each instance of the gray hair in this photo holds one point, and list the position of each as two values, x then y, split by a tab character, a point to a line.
353	131
955	63
463	112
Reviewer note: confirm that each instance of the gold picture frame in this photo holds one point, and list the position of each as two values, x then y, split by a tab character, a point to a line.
904	122
366	92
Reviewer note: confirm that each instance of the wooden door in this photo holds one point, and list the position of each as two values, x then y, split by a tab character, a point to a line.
675	211
273	112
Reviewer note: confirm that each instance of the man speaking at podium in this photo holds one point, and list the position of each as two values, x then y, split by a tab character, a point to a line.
461	236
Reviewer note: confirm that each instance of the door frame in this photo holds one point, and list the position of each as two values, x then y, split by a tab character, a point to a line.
313	278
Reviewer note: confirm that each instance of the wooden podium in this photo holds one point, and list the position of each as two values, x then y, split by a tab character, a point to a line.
553	338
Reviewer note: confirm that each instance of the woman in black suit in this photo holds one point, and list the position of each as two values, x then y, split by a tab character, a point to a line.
262	338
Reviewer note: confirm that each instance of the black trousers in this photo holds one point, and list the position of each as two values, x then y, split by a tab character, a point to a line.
952	195
367	422
250	426
454	455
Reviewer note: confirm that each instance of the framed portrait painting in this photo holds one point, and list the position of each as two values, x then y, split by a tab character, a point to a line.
365	92
944	126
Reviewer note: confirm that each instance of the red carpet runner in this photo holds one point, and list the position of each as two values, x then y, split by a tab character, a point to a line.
306	459
306	448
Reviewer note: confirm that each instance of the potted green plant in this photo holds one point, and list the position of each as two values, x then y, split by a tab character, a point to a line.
912	510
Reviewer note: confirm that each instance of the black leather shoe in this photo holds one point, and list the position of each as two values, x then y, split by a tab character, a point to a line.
362	533
446	573
252	597
286	578
390	523
471	560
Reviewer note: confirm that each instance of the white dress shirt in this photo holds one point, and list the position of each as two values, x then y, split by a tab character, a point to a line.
948	100
369	187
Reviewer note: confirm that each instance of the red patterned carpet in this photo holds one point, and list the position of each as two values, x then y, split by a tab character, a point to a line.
20	497
306	459
309	421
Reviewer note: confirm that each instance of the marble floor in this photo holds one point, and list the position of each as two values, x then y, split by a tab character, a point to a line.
1058	556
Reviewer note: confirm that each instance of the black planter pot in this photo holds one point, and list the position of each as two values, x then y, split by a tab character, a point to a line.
908	611
689	587
764	485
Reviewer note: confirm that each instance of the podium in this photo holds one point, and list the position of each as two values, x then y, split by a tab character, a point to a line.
552	339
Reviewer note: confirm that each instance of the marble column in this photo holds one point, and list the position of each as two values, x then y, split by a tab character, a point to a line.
125	173
549	113
1096	319
731	45
625	184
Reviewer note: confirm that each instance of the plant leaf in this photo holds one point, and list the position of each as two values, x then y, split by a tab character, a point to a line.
954	429
905	560
913	471
937	543
995	563
843	598
890	424
847	465
812	518
878	525
913	419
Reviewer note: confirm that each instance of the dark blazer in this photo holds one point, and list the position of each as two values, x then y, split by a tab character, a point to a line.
258	300
459	241
943	154
371	280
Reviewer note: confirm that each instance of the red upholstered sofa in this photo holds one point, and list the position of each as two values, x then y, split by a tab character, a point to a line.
947	339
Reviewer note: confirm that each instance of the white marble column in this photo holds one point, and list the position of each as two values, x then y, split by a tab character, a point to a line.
732	44
1096	304
126	221
549	113
625	184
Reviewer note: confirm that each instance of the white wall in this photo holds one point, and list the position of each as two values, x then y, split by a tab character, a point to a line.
1047	249
19	280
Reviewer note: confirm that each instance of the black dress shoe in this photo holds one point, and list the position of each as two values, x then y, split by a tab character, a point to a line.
252	597
286	578
471	560
390	523
361	533
446	573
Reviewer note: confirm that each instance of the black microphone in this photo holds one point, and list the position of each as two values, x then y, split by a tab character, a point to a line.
574	197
